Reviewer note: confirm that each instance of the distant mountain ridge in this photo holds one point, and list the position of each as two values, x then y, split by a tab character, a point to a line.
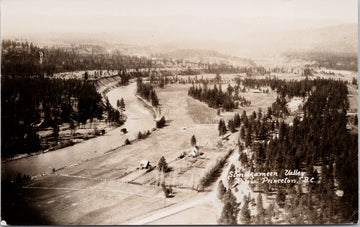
341	38
242	39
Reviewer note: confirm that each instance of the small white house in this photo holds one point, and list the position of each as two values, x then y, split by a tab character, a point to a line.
194	151
144	164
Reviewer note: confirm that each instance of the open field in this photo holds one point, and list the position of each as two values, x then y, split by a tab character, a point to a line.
84	201
194	216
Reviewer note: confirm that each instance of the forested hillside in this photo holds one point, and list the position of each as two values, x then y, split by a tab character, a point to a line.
316	142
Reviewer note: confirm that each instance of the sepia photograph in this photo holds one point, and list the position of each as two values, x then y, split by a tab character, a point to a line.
179	112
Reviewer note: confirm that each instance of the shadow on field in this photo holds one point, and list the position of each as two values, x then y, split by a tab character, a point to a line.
15	210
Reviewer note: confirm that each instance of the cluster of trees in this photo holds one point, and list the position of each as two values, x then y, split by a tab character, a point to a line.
114	115
230	210
161	78
147	91
234	92
234	212
143	135
252	124
215	98
29	104
120	103
278	108
318	139
124	78
256	126
233	124
27	59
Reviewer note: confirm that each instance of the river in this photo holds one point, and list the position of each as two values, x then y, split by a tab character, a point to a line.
139	119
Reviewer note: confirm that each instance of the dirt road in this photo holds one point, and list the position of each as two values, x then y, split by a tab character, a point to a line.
170	211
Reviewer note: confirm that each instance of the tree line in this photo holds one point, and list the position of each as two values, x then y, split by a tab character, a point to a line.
215	98
27	59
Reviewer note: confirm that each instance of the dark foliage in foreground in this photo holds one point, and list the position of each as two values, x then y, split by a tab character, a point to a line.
317	140
29	104
161	123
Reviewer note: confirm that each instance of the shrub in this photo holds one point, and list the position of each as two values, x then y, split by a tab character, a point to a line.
280	198
222	127
231	179
140	136
221	190
193	141
161	123
143	135
162	164
127	142
165	190
245	212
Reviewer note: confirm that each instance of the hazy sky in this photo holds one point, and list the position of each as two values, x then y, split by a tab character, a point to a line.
104	15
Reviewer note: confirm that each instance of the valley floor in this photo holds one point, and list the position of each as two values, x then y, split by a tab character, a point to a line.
110	189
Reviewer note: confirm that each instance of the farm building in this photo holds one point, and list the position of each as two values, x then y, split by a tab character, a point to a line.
144	164
194	151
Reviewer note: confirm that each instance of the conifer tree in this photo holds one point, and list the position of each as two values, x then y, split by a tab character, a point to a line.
231	126
163	166
231	179
193	140
230	209
222	127
245	215
221	190
259	205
